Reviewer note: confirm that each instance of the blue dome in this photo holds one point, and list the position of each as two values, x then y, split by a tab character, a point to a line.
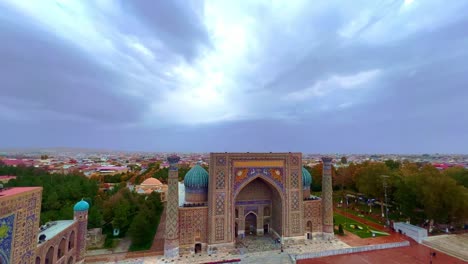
81	206
306	178
196	178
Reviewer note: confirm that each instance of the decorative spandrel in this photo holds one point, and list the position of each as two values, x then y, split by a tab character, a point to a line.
242	175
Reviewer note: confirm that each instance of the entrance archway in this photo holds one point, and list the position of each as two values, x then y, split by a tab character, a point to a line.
198	248
309	229
309	226
259	204
251	224
236	229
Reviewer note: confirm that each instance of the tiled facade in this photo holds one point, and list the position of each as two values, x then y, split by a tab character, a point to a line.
249	193
19	229
19	214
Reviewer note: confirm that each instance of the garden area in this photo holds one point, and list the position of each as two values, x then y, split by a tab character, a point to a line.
357	228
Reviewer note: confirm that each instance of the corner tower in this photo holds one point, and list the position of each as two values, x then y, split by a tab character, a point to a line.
327	198
81	215
171	238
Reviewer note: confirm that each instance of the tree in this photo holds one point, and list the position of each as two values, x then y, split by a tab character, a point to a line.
316	172
408	197
370	181
344	160
459	174
340	229
392	165
138	231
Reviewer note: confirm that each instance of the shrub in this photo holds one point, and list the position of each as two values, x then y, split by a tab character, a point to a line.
340	229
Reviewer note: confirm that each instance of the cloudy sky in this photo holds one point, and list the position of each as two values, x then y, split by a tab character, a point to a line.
311	76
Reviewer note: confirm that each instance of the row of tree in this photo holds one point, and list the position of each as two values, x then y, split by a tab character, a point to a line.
418	191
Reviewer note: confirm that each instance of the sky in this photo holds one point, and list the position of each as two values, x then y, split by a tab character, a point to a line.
208	76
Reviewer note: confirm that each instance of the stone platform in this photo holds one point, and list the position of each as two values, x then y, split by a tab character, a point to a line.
252	249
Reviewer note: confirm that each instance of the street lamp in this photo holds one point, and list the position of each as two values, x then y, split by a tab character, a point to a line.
385	177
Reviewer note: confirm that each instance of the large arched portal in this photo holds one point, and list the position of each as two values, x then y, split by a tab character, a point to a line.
258	204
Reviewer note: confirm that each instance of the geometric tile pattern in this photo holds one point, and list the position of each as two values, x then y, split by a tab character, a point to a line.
294	160
220	182
220	197
171	242
312	212
172	211
219	229
191	222
221	161
295	224
327	196
294	179
295	201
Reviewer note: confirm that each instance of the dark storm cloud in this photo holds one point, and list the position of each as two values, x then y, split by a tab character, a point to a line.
41	74
176	22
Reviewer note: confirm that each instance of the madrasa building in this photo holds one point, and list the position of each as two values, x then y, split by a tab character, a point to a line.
245	194
23	240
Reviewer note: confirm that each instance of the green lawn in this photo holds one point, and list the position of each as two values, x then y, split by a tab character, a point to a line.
348	224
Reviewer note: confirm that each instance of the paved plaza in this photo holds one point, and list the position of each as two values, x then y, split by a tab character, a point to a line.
251	249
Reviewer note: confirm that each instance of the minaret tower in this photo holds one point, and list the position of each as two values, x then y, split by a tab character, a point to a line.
327	198
171	238
81	215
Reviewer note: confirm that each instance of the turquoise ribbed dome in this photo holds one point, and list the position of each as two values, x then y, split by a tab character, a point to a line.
81	206
196	178
306	178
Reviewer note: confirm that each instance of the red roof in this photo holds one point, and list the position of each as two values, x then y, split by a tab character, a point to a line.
7	176
17	190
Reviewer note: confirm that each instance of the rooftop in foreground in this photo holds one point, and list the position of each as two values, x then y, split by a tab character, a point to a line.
55	228
16	190
414	254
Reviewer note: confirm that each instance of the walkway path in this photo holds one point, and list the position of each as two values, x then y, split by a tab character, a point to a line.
354	240
360	219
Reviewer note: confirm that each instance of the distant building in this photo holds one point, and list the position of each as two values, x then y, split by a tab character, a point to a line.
22	240
152	185
6	178
111	170
17	162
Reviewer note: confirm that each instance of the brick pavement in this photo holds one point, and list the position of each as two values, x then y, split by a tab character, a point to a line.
414	254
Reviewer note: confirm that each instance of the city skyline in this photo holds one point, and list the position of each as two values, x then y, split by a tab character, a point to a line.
177	76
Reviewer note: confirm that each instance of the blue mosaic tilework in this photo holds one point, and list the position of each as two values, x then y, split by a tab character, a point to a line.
6	237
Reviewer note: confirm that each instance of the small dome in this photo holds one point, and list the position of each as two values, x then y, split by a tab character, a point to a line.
196	178
81	206
151	181
306	178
